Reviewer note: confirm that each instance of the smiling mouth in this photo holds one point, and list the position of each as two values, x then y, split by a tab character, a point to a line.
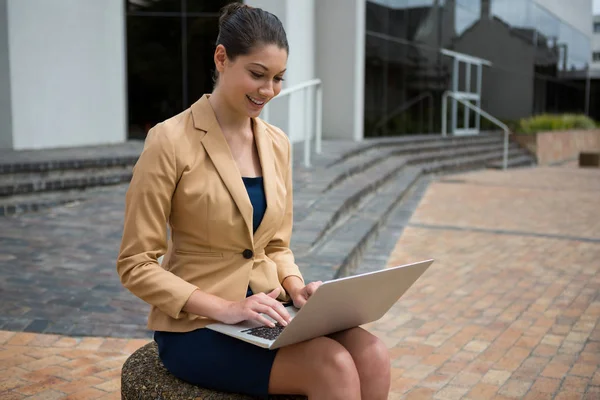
257	102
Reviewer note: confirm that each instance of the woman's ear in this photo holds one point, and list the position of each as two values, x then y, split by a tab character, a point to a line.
220	58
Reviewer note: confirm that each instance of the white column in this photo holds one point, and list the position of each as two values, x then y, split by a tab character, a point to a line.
67	72
340	44
6	141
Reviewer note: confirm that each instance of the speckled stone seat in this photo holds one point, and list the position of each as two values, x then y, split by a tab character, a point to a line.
144	377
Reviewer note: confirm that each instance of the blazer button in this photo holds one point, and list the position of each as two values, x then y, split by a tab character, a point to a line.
248	254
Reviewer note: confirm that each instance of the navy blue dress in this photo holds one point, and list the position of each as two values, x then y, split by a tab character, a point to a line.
215	361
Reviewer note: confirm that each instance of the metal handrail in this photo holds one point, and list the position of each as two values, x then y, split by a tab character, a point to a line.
405	106
479	111
306	86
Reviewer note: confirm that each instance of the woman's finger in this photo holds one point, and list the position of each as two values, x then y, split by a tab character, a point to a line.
275	305
268	310
261	319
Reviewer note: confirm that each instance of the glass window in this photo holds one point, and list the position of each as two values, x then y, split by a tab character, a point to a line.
466	16
596	27
154	71
170	45
516	13
596	56
547	24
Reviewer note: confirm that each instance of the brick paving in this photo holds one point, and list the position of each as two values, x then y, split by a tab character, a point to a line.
509	310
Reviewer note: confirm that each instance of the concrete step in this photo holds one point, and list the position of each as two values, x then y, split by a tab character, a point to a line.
75	158
515	161
378	252
414	143
339	253
445	154
28	182
332	207
374	155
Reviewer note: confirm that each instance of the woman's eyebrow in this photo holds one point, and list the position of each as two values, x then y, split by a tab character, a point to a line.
265	68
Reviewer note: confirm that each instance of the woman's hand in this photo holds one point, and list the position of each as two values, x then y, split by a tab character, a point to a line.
300	296
252	307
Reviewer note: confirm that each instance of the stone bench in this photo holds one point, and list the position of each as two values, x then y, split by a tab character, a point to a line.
589	159
144	377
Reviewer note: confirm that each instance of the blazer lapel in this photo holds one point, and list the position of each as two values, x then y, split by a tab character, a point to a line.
218	150
267	163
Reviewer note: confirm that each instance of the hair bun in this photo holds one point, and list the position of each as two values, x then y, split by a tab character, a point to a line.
230	9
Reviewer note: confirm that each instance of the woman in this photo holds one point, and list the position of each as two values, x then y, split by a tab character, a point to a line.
221	178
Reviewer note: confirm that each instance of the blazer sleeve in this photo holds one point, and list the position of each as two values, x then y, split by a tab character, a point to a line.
278	248
147	210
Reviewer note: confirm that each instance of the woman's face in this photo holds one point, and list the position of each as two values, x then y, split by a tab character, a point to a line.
251	80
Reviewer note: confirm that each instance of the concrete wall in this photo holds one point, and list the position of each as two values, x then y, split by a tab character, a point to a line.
558	146
5	102
340	45
67	69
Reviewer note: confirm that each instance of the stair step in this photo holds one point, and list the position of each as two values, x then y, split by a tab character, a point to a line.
443	154
369	158
22	183
340	251
26	203
70	158
525	160
331	208
378	253
458	164
415	141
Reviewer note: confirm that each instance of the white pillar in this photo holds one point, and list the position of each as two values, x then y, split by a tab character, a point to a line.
67	72
340	44
6	140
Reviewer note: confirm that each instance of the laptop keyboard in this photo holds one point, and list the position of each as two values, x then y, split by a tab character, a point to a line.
265	332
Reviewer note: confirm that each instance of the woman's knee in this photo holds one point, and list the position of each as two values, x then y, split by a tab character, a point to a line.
375	355
333	362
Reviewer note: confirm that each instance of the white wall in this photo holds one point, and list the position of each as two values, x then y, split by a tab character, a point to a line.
340	64
5	106
67	69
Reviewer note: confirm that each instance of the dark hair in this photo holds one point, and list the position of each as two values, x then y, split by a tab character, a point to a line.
241	28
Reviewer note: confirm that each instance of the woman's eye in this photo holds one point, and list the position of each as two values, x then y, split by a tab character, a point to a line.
279	79
257	76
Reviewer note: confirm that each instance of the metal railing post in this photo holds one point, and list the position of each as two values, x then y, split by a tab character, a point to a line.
265	113
319	118
305	125
455	89
444	113
430	114
483	114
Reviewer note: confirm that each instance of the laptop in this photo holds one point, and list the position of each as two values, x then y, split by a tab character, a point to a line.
335	306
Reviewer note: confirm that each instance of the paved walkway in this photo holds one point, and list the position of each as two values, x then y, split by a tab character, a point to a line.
509	310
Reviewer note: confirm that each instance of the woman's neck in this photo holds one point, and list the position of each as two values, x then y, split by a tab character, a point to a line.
229	120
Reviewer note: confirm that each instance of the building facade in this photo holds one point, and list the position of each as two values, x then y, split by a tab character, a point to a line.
596	43
83	72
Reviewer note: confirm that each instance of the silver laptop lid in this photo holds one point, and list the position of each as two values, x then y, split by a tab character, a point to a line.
352	301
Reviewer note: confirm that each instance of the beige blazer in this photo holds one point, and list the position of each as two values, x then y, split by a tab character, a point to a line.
187	178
